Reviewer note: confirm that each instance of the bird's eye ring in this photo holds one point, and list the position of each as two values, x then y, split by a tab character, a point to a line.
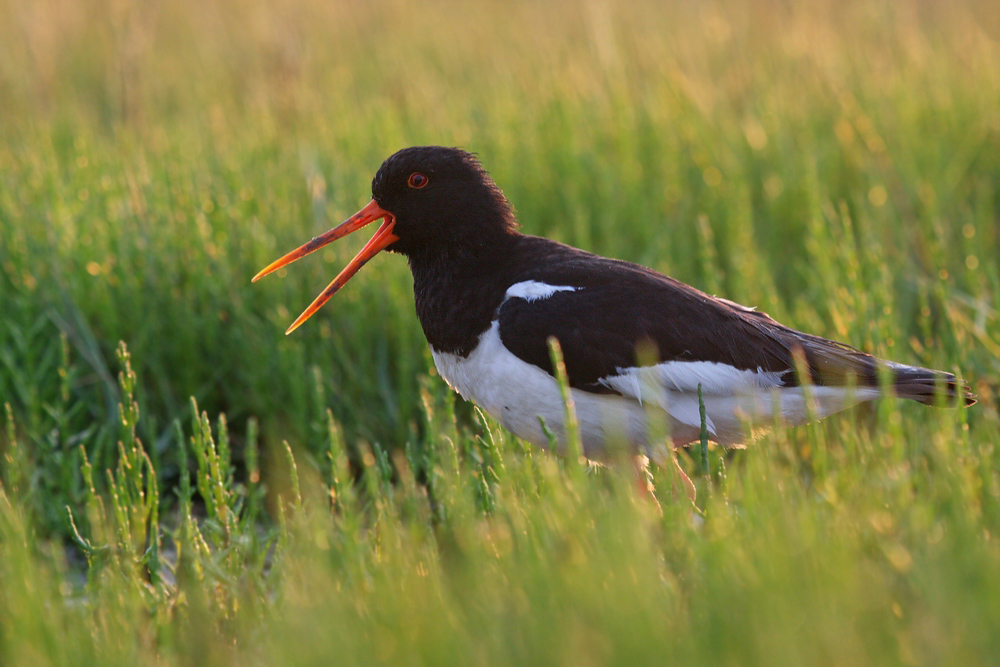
417	180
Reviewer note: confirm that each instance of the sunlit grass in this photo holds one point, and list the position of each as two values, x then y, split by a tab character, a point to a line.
835	164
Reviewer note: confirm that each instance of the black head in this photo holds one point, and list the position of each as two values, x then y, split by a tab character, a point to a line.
437	204
441	197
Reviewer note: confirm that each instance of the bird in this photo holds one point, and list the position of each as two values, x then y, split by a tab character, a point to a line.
638	346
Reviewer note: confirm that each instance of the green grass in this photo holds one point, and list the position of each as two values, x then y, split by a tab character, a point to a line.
323	497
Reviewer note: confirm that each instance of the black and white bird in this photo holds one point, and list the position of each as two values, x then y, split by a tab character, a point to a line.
637	344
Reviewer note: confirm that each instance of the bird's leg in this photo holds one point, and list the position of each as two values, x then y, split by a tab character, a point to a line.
680	483
643	476
681	479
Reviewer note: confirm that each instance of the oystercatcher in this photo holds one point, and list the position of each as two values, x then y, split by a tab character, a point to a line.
635	342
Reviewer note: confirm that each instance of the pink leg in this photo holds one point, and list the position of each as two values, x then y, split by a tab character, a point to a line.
680	483
643	478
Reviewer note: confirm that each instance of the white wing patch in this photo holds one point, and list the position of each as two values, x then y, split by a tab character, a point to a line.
532	290
673	385
684	376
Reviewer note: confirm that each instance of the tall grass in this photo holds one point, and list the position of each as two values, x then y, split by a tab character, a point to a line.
323	496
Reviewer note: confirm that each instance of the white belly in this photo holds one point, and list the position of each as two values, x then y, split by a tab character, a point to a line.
520	395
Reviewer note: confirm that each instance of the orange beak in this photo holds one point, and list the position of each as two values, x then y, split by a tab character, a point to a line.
382	238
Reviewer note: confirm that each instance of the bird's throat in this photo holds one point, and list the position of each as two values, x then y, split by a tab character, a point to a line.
457	291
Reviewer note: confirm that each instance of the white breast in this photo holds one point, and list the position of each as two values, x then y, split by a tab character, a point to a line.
519	394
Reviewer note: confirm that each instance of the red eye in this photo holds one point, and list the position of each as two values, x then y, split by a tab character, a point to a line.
417	180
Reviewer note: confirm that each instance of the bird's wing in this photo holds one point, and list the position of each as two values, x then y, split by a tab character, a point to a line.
612	318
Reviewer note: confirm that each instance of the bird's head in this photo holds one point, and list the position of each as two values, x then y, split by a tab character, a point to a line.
440	197
431	199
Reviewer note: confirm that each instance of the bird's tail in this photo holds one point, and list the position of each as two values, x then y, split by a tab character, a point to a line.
924	385
835	364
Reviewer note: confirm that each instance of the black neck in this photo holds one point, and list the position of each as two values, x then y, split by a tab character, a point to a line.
458	287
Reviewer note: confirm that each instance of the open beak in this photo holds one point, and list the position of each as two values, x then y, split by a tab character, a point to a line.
382	238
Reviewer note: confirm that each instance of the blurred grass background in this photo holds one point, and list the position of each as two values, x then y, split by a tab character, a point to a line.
835	164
